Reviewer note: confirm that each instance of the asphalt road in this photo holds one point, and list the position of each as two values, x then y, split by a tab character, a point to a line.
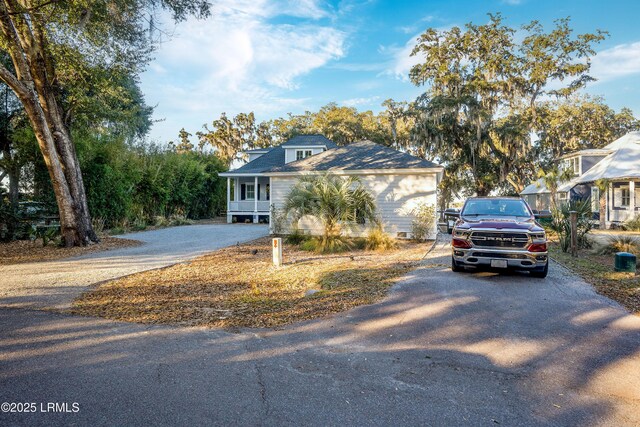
443	349
54	284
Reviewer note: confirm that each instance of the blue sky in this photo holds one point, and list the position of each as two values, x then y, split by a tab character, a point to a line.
278	56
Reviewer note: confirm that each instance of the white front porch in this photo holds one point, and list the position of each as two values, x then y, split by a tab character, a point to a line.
248	198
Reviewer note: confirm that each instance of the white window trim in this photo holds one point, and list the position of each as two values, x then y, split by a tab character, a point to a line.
622	190
303	154
246	191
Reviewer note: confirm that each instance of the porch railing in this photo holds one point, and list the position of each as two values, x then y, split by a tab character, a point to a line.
249	206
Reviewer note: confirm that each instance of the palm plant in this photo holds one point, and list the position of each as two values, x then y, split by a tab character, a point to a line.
552	179
561	223
335	201
602	185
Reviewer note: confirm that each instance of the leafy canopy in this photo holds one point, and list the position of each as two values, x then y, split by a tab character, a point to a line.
483	92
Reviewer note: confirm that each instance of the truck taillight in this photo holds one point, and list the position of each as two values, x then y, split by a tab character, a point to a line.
537	247
460	243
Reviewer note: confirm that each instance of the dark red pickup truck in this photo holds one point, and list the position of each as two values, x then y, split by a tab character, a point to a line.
500	233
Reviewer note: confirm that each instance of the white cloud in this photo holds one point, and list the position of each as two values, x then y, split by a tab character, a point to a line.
238	60
409	29
355	102
401	60
619	61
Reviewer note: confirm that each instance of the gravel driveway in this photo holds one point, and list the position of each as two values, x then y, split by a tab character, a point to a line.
54	284
443	349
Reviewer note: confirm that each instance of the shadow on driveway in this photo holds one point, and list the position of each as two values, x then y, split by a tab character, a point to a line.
443	349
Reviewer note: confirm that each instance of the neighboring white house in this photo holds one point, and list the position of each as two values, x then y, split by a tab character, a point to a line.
398	181
618	162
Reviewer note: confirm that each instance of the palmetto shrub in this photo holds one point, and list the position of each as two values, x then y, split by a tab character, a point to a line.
561	223
632	224
616	244
378	240
337	202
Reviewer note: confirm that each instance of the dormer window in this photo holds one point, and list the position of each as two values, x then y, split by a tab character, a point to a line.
301	154
573	165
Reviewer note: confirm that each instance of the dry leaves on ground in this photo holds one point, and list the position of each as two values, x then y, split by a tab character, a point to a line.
598	271
22	251
239	287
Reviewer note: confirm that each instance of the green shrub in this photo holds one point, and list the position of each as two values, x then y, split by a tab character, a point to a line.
378	240
179	218
616	244
632	224
278	220
322	245
561	223
296	237
424	221
46	233
98	224
359	243
139	224
333	244
310	245
161	221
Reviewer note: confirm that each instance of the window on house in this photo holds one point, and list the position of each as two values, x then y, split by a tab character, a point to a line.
301	154
267	190
232	190
625	196
573	165
250	192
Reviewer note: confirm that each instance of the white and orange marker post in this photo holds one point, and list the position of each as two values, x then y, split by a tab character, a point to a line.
277	251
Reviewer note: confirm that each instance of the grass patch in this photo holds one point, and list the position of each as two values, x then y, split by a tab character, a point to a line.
239	287
597	269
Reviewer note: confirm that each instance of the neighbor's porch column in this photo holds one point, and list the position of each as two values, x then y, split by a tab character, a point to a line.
610	201
228	200
632	199
270	228
255	200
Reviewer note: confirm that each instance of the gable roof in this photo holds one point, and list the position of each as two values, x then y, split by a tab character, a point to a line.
362	155
628	140
315	140
273	157
622	163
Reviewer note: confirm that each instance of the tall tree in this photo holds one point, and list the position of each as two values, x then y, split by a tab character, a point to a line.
185	145
400	119
51	43
10	161
229	137
484	89
578	123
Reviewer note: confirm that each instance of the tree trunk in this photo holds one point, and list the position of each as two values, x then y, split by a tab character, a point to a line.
64	171
33	83
603	208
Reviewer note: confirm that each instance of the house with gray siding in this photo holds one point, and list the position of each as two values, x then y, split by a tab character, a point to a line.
398	181
617	162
